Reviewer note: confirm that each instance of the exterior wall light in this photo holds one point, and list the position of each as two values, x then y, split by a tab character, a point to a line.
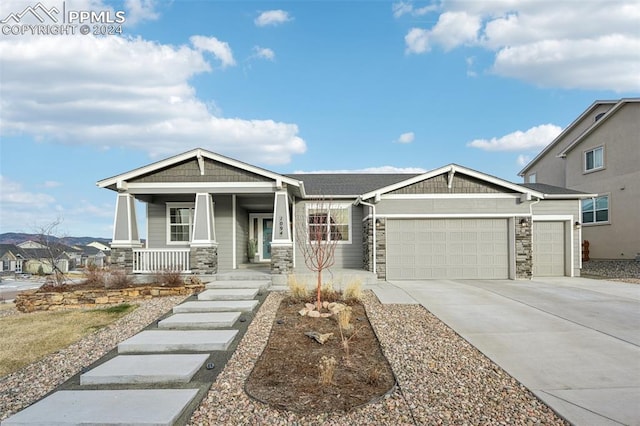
577	225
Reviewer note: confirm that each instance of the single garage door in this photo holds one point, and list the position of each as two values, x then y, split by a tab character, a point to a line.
548	249
447	248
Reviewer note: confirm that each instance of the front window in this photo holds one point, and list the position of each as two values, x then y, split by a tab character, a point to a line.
594	159
595	210
180	222
331	222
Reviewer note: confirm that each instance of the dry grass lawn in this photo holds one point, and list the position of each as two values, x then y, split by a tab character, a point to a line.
26	338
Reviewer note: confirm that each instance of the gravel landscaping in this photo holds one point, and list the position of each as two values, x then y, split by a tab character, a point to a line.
24	387
615	270
442	379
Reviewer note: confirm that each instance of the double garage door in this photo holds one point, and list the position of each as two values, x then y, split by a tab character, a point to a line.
447	248
467	249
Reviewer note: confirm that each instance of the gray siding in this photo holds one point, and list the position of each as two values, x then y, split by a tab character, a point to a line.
242	234
461	184
224	231
347	255
189	171
452	205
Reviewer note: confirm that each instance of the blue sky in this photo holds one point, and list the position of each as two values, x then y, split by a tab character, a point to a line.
297	86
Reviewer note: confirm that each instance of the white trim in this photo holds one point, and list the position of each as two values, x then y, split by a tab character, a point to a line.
168	207
330	206
146	225
451	215
194	187
453	168
447	196
234	260
194	154
552	217
584	159
294	230
259	232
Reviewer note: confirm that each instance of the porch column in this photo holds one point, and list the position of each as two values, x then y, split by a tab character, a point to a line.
281	242
204	247
125	233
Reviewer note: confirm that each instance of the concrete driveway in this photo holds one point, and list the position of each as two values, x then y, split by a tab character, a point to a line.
574	342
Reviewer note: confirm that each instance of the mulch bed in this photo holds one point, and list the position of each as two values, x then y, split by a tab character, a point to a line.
286	375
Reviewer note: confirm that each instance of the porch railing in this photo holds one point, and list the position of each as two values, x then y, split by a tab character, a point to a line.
158	260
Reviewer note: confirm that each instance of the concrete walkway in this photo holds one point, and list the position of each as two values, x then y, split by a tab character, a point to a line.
158	376
574	342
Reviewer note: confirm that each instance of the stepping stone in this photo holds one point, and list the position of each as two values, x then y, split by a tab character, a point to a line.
201	320
150	341
228	294
216	306
107	407
126	369
261	284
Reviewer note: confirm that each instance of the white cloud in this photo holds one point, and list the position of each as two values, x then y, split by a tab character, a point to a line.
13	196
406	8
523	160
127	92
52	184
220	49
264	53
532	139
406	138
272	17
380	169
140	10
563	44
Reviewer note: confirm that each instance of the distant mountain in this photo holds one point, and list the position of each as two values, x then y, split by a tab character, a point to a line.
18	237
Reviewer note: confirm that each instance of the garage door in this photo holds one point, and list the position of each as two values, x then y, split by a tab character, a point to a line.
548	249
447	248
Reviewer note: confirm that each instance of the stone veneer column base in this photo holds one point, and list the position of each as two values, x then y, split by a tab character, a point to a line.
381	247
524	247
122	259
204	260
281	259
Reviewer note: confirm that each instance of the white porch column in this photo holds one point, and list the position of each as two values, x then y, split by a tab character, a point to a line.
204	247
281	219
125	225
281	242
204	231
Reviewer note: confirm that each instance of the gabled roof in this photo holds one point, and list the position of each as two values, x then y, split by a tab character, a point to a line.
615	106
198	154
347	185
452	169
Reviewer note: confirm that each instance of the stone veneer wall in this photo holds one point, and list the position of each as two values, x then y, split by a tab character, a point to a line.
122	259
524	248
381	250
32	301
281	259
204	260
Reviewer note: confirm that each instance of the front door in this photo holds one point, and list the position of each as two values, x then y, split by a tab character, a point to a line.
261	230
267	234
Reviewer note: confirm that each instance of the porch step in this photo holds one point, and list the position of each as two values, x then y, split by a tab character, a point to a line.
260	284
262	274
128	369
228	294
158	341
94	407
216	306
199	320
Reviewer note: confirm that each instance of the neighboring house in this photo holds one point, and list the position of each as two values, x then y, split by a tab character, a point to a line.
31	245
11	258
99	246
600	153
93	256
453	222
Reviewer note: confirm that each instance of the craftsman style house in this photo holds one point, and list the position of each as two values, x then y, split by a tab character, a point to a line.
600	153
203	209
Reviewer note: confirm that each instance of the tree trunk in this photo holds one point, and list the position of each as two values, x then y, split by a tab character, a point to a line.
319	290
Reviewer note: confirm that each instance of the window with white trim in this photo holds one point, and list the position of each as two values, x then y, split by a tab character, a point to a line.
330	222
532	178
595	210
179	222
594	159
